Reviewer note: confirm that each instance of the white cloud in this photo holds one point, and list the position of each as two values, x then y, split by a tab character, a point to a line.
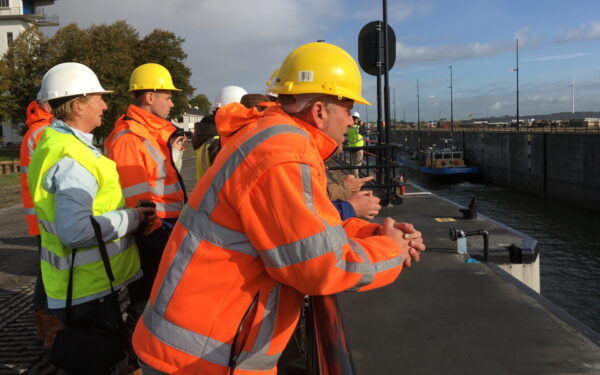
497	106
560	57
397	12
526	41
407	53
452	52
587	31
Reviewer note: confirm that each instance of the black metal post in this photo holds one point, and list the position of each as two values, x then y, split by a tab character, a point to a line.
517	70
386	90
451	104
418	120
380	135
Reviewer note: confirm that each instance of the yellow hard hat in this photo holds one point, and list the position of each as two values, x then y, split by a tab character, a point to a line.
151	77
271	82
319	68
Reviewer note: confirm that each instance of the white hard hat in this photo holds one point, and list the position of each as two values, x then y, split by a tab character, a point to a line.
356	114
228	94
69	79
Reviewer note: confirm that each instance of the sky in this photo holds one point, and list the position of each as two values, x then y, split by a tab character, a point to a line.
241	42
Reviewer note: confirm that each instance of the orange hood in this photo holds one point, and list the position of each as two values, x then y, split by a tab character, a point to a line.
35	113
232	117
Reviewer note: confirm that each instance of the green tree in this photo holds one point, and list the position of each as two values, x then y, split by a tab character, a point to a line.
22	67
69	44
8	107
110	60
201	101
111	51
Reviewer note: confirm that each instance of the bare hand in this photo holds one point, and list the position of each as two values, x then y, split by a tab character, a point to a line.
178	142
407	237
365	204
413	235
354	184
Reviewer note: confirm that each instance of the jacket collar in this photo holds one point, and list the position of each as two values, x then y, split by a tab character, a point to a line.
147	125
85	138
324	143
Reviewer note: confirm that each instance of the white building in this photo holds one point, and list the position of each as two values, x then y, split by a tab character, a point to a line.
18	15
189	118
15	17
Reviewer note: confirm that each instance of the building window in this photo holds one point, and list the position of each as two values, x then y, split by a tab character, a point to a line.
9	38
4	3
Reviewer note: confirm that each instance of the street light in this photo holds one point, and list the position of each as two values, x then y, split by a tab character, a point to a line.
418	118
451	104
517	70
395	118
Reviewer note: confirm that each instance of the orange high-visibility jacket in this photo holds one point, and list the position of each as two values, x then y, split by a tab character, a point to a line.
139	145
258	225
37	120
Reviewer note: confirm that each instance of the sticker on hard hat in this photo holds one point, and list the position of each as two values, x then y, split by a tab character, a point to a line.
305	76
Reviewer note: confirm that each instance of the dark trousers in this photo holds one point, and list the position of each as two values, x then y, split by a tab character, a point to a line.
151	249
100	314
40	300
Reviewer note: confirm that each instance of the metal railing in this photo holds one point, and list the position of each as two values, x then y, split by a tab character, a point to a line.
378	161
38	16
508	129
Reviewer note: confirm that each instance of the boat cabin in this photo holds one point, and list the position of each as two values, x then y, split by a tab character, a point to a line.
443	158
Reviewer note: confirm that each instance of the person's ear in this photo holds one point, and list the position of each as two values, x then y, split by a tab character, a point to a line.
76	107
318	114
149	97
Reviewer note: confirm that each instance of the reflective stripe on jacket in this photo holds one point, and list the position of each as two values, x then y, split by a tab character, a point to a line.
90	280
259	223
355	139
37	120
139	145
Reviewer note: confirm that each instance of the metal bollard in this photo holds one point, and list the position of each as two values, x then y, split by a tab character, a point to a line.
460	236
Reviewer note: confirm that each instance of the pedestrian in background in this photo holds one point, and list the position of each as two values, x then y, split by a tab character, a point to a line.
355	139
38	117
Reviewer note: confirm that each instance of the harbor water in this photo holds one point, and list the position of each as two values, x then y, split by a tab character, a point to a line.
568	239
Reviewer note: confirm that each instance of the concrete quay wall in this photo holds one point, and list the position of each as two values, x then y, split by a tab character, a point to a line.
563	166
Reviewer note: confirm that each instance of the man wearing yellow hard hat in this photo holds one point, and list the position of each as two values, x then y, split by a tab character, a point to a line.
140	145
260	233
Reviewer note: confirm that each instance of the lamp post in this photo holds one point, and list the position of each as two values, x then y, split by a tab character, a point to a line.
395	118
517	70
451	104
418	119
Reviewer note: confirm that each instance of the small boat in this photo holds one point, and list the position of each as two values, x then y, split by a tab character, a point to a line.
438	161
